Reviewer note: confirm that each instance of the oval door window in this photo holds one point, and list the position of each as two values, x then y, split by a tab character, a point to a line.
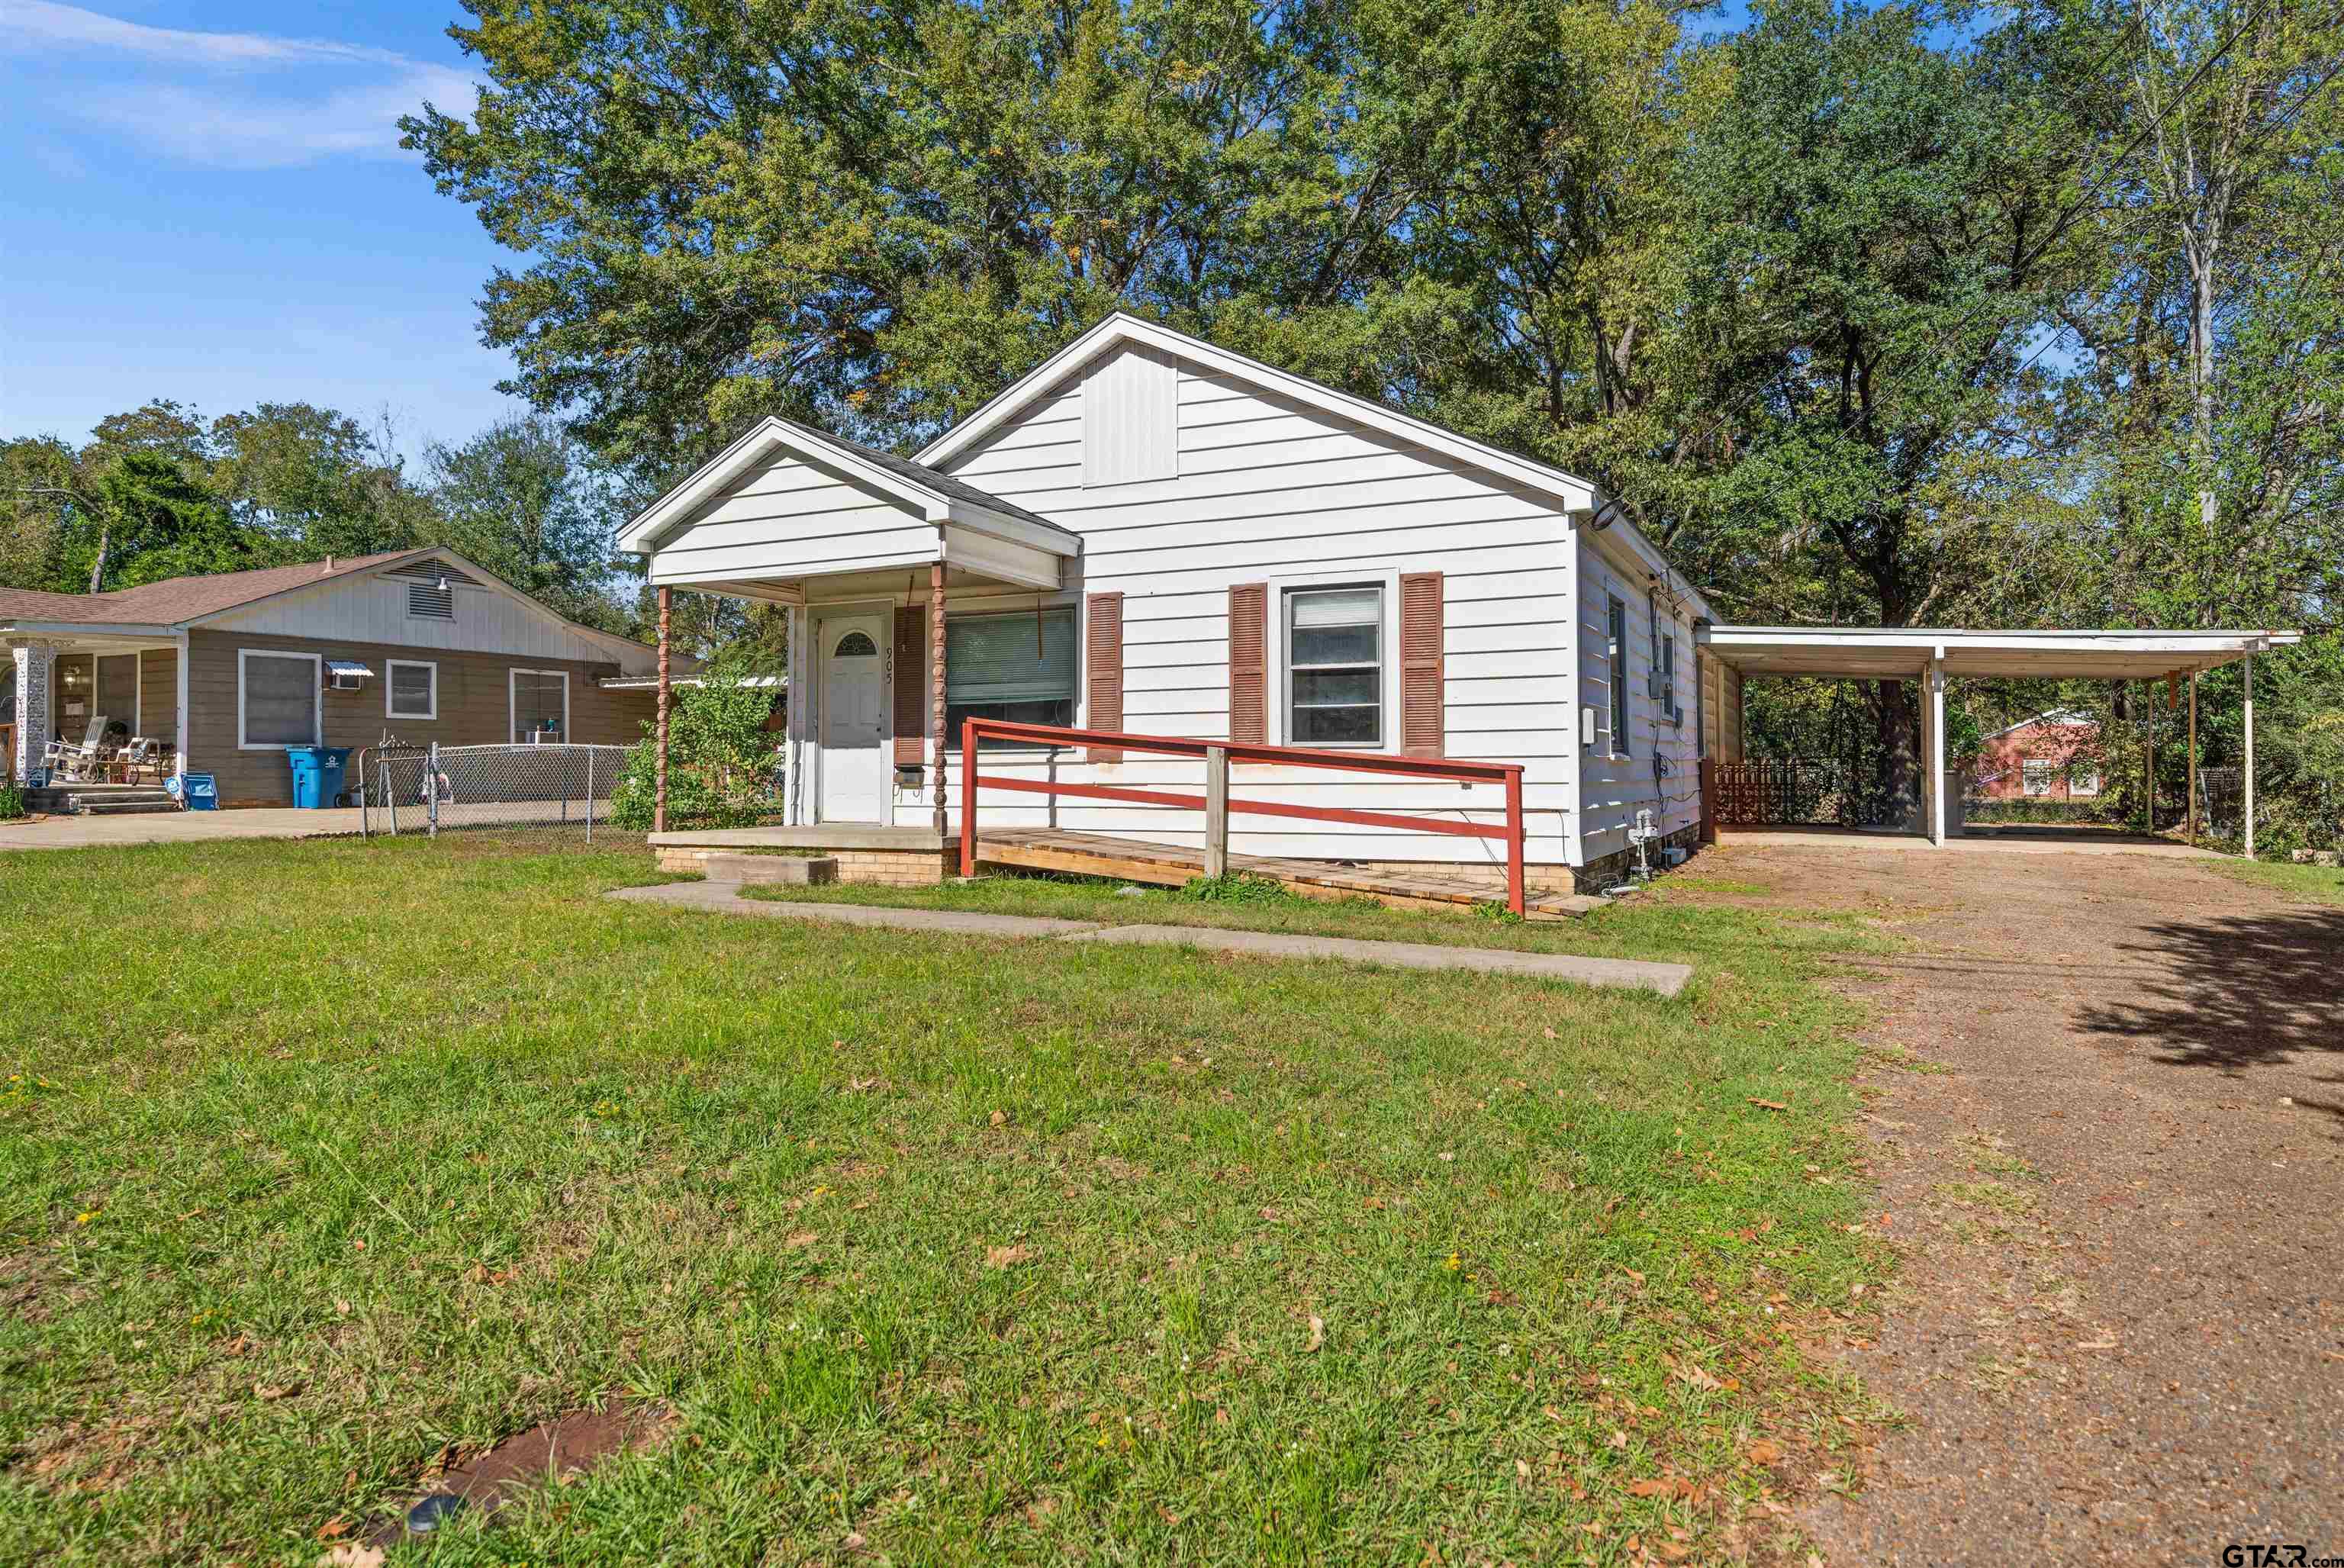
854	645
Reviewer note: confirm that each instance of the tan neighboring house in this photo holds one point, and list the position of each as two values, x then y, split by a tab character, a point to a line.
227	671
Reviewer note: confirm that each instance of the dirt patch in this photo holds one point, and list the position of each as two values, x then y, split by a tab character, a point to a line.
547	1455
2119	1333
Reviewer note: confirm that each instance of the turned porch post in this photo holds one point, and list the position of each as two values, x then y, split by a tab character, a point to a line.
659	764
937	685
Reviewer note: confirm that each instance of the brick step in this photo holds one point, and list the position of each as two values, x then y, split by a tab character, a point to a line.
124	807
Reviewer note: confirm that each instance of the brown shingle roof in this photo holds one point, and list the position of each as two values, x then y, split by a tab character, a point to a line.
178	599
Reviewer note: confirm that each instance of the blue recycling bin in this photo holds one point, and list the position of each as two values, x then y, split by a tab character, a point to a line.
196	792
316	773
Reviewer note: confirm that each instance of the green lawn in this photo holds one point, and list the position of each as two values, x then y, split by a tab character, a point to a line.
2318	884
327	1156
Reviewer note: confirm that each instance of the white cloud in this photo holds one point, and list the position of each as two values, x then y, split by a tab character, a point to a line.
233	100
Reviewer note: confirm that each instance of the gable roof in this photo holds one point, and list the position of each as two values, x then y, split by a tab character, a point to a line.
2070	717
1122	328
938	496
1577	495
180	599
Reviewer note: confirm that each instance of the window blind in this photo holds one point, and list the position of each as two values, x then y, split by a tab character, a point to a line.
1004	657
280	701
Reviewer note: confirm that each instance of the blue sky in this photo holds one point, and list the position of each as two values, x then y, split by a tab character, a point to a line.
208	202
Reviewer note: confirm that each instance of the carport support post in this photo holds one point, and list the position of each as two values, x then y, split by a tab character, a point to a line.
1936	760
2249	770
659	753
2148	749
2192	817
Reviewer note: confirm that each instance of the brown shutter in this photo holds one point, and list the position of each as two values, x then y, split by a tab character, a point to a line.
1103	669
911	684
1421	716
1249	662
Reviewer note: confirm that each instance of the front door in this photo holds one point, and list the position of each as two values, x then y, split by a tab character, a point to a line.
853	728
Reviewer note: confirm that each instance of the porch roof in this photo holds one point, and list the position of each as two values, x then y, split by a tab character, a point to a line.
979	537
1876	652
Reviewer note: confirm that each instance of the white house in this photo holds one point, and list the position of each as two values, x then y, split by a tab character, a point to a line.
1152	535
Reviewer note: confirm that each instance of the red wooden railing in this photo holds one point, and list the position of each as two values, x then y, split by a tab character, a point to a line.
1509	774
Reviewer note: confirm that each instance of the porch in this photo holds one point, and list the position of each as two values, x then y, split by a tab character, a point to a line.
105	687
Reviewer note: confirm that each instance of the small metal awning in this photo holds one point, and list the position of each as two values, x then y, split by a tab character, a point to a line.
347	667
1882	652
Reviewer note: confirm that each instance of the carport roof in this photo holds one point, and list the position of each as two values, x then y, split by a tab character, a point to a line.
1860	652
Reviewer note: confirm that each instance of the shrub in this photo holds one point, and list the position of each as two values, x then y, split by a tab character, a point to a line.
723	770
12	801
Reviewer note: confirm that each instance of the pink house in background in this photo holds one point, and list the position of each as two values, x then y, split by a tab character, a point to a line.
2051	756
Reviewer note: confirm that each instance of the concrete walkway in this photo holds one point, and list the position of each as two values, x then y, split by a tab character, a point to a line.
724	897
177	827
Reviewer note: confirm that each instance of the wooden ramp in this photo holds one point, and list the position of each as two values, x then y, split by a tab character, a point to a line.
1170	865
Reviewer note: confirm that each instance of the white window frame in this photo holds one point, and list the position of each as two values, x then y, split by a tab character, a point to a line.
317	697
1619	713
1280	721
512	703
390	668
2077	770
2051	773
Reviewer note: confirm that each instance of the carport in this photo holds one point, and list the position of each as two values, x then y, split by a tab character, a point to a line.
1933	656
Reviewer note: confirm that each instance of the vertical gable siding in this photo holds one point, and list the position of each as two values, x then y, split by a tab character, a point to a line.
1131	421
1270	489
1612	790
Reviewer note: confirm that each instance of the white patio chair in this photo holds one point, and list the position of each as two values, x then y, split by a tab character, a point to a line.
81	763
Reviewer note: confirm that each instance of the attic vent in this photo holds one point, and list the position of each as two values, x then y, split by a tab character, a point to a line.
432	600
435	571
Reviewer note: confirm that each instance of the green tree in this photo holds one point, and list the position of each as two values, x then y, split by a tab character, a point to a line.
873	216
314	482
524	500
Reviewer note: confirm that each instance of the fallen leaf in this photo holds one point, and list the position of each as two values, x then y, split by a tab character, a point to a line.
1317	1333
854	1542
999	1119
265	1392
1550	1033
1006	1257
333	1529
352	1555
1765	1453
801	1237
1522	1468
1647	1488
1770	1105
1618	1440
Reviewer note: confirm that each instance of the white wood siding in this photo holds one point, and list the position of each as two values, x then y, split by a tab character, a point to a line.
373	609
1613	787
791	518
1130	414
1268	490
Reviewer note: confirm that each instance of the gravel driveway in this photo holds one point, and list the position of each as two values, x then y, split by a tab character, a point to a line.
2118	1180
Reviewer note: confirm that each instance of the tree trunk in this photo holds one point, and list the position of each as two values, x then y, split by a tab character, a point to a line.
98	569
1898	717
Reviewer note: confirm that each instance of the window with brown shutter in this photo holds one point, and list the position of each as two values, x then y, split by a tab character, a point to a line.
911	684
1422	717
1103	669
1249	662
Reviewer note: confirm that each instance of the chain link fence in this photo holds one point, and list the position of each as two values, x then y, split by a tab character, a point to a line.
428	789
